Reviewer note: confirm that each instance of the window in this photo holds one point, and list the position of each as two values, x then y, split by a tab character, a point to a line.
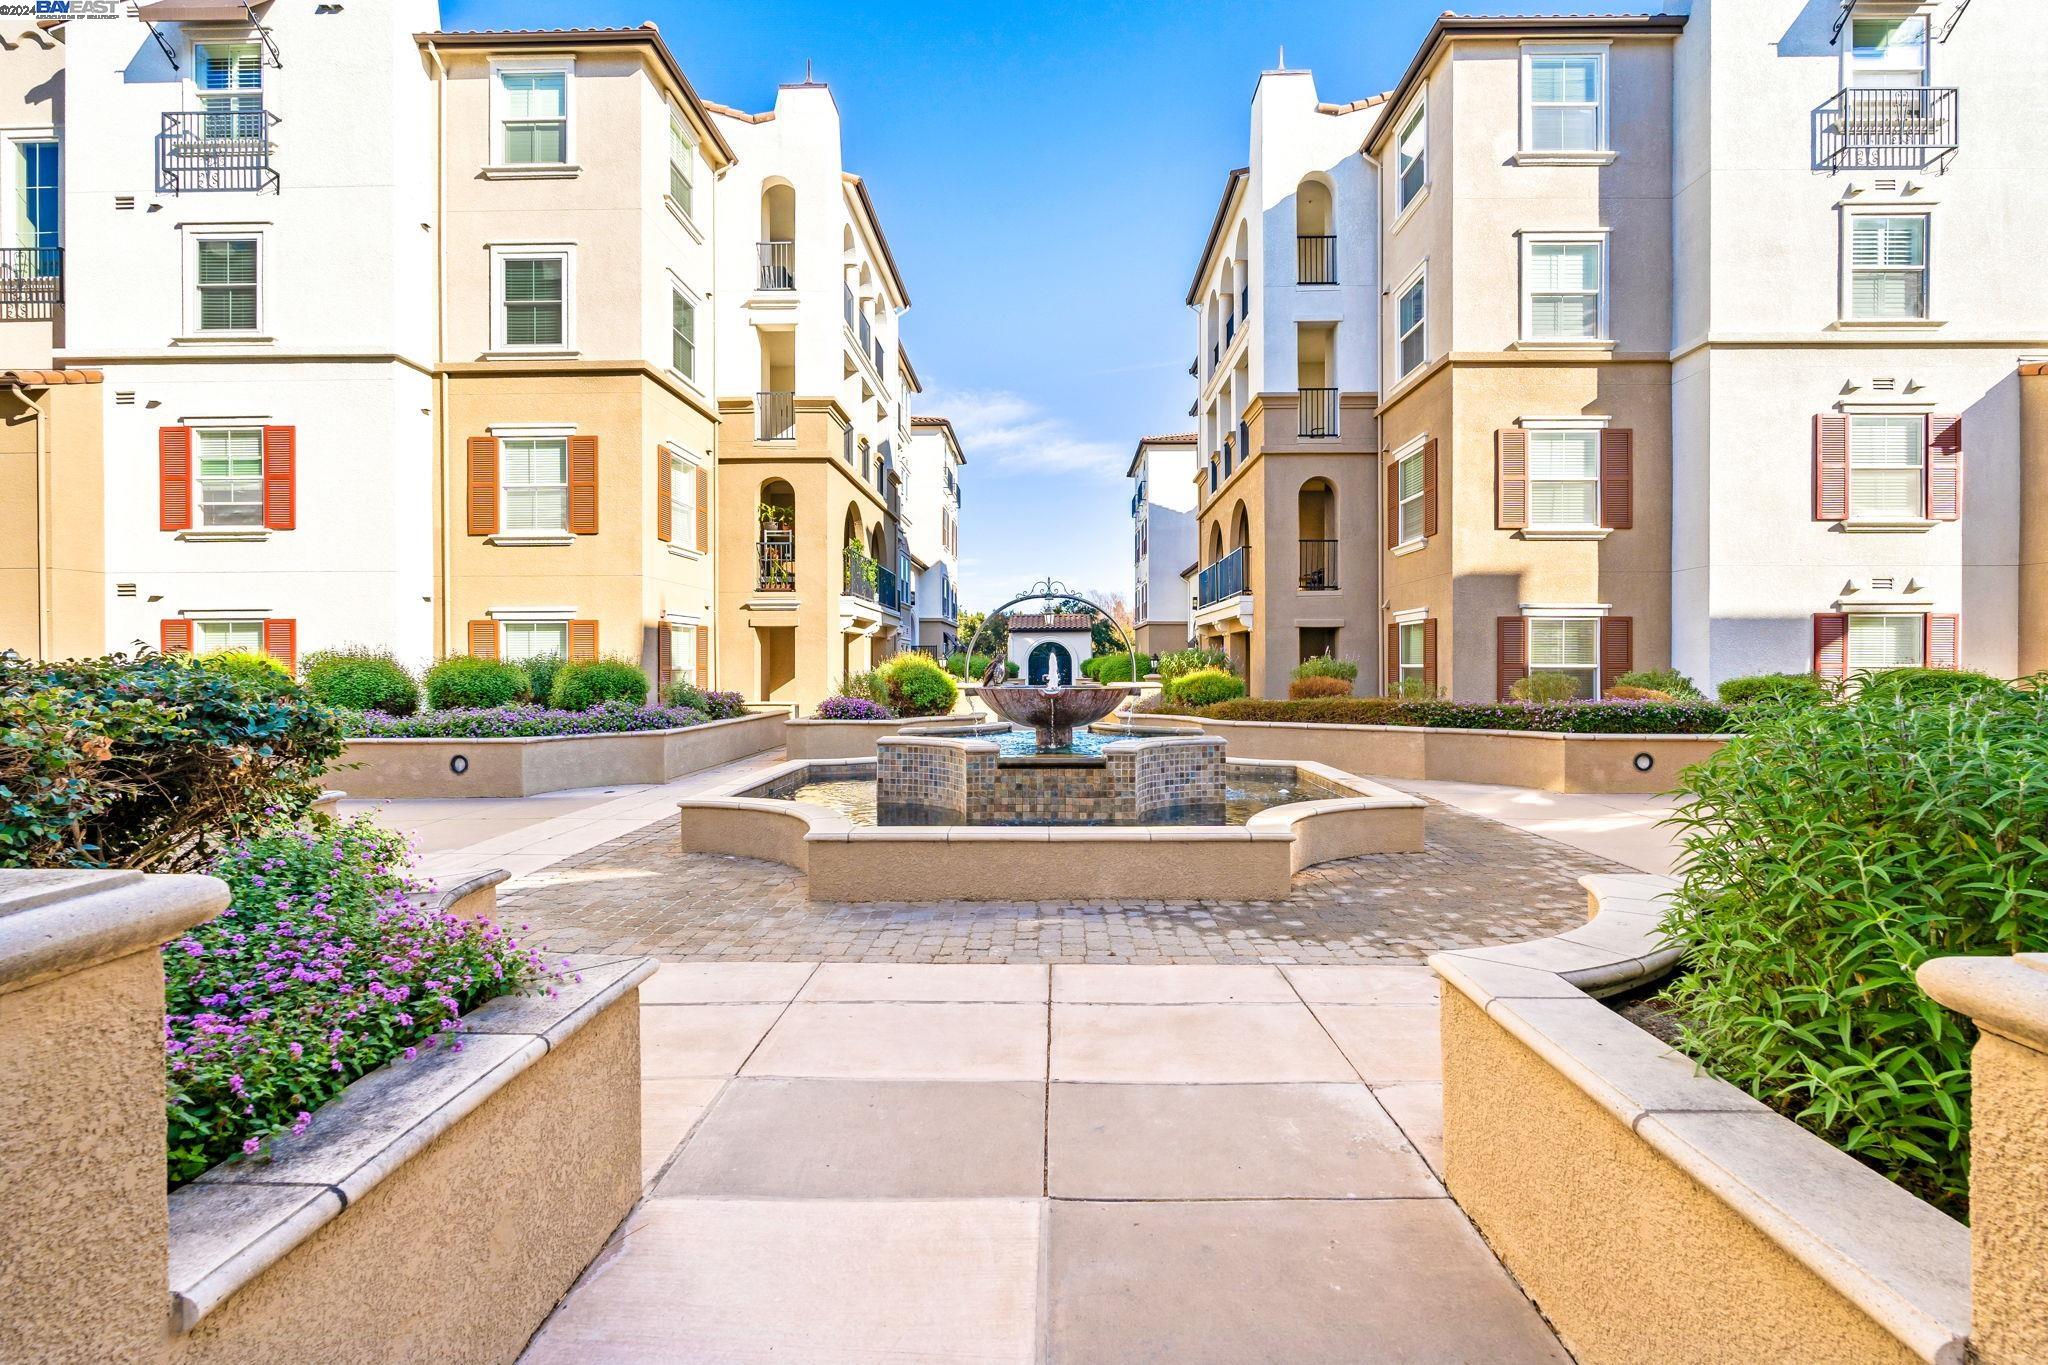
1409	326
1562	298
682	653
682	164
1886	641
682	500
1567	646
532	300
534	118
1888	52
227	284
683	333
535	477
1411	154
33	205
1564	478
1887	266
1408	490
1887	467
531	639
1411	671
1565	91
228	78
211	637
230	476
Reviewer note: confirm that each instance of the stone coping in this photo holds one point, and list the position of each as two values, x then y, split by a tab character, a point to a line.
2007	996
552	739
1431	729
240	1218
1896	1258
63	920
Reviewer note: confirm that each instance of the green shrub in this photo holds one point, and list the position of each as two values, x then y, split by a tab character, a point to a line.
357	678
464	681
713	705
865	686
916	686
960	666
1571	718
1309	711
1777	691
152	763
1618	692
1545	689
1117	668
1414	689
1318	685
580	686
1177	662
1205	687
1669	681
1930	685
1830	852
541	672
250	668
1323	666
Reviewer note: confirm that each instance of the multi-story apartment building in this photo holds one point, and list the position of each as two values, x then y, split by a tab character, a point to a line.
931	523
814	397
1286	375
1162	475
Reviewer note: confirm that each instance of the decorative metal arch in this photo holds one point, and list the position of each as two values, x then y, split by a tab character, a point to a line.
1047	590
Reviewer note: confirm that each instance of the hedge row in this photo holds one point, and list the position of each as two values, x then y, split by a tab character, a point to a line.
1581	718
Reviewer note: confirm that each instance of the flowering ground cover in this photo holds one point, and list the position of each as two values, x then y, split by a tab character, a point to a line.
524	721
851	708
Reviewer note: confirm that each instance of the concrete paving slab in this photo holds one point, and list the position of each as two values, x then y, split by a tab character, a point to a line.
1192	1044
972	1042
700	1040
1390	985
1017	983
1418	1106
724	983
1171	985
668	1106
1387	1043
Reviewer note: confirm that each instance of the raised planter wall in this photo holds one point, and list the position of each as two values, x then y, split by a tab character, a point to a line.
830	739
416	768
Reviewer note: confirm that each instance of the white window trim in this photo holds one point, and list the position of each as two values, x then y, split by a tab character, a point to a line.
1404	622
683	663
1894	9
1551	610
1869	611
198	532
10	179
230	36
1846	274
1600	681
683	463
1593	530
531	433
686	217
1420	275
676	286
1404	209
1604	331
194	234
500	252
1412	450
495	167
218	614
1527	154
564	614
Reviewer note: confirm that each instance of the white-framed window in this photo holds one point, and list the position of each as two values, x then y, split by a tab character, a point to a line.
682	653
682	164
1886	276
1564	477
211	637
1411	659
682	325
531	639
533	482
532	114
1887	51
1564	98
1887	466
533	288
1886	641
34	202
227	81
1564	286
1411	156
1410	324
230	473
1569	646
682	499
227	273
1408	491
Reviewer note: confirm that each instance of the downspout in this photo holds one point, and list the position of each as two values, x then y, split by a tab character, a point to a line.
444	543
42	519
1382	613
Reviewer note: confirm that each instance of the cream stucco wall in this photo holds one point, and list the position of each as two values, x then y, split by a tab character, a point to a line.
52	541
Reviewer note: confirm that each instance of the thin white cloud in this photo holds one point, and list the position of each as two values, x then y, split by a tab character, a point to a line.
1014	435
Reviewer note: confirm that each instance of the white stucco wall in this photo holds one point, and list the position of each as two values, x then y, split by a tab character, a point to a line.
1079	645
1166	473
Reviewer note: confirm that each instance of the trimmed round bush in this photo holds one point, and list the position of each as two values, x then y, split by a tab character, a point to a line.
1317	685
1205	687
541	671
250	669
1776	689
580	686
1116	668
1938	685
464	681
1674	685
1324	666
915	685
1545	688
357	678
1623	692
960	666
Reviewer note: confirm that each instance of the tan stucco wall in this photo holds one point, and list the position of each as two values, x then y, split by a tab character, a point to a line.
1081	864
1628	1257
68	576
2008	1192
2033	566
1163	637
461	1252
827	739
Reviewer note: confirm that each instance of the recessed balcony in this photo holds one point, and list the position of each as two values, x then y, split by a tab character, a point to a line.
1886	128
31	283
216	149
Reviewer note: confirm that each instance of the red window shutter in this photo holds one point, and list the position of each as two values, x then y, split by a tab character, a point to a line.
1393	659
664	653
1830	467
280	477
703	510
483	639
703	656
583	485
175	636
1618	479
1944	466
1429	487
483	495
1831	644
1429	652
281	636
1944	642
1510	653
174	479
664	494
582	641
1617	648
1393	503
1511	480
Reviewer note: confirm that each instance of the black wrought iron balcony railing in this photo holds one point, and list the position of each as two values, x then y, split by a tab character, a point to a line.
1223	579
1244	302
775	414
1229	330
1315	260
867	334
1318	412
1886	128
31	283
778	265
216	149
777	569
1244	440
869	580
1319	565
846	304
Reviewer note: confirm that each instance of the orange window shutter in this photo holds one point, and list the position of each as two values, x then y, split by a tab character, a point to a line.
281	641
483	639
1944	466
1944	642
582	641
175	636
1393	659
1511	654
174	478
1429	651
1617	648
664	653
583	485
1511	480
1618	479
280	477
483	489
1429	487
703	510
1830	467
1831	644
703	634
664	495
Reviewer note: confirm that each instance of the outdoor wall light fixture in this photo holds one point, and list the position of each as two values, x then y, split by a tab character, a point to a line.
458	765
1643	763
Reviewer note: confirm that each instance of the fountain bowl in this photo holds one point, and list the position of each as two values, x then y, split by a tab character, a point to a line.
1054	712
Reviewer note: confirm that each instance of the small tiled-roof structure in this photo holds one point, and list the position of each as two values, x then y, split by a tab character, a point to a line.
43	379
1179	438
1052	620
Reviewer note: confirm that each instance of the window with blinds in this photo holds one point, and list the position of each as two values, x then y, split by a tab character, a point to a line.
1887	466
531	639
532	300
1564	478
683	333
1888	52
1885	641
534	474
682	653
1411	656
1569	647
1561	290
1408	489
1409	326
230	476
227	283
228	79
535	117
1412	156
1565	90
682	500
1888	266
211	637
682	164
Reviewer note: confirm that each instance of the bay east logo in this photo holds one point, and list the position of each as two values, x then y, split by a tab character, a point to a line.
78	9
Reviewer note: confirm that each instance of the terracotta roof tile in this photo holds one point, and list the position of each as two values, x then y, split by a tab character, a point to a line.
1052	620
40	379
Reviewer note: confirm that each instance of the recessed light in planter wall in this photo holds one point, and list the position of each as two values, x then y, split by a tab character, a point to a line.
1643	763
458	765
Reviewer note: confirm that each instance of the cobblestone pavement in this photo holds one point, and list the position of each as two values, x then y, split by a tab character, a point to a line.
1477	882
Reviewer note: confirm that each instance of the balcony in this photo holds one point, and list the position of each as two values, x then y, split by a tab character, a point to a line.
846	305
1229	330
776	552
31	283
778	265
880	369
869	581
1879	128
1318	413
1319	565
775	415
216	149
1315	260
1244	302
1224	579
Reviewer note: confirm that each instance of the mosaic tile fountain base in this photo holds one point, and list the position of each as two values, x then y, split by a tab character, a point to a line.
929	780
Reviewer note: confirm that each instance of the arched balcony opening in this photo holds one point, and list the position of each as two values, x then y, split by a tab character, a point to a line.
1315	232
1316	508
775	547
778	236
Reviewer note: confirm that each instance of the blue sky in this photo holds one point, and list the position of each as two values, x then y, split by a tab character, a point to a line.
1046	173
